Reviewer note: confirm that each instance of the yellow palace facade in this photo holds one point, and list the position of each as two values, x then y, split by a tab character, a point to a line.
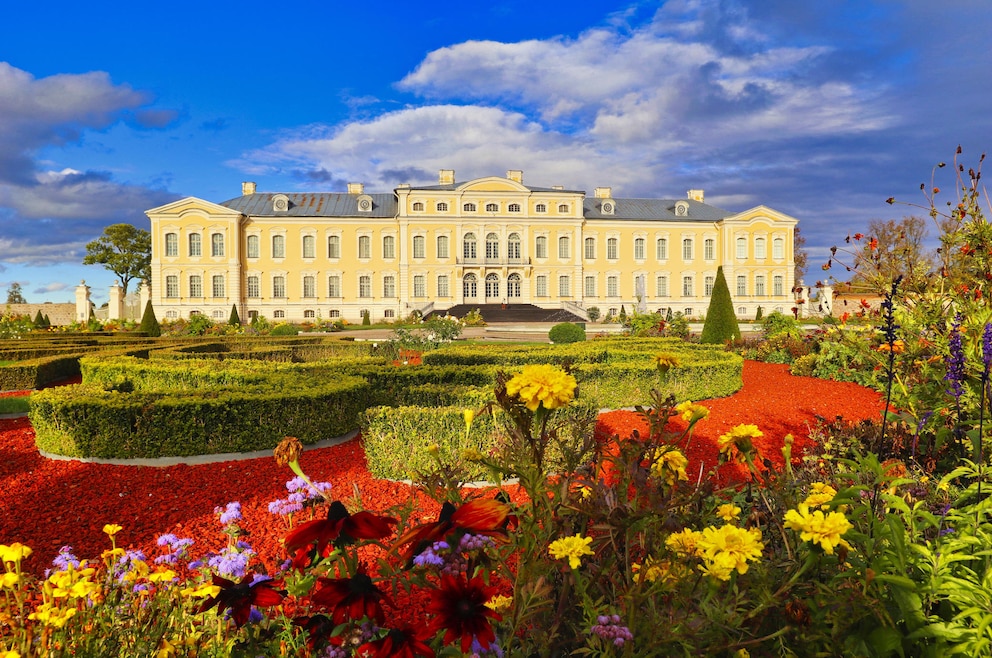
493	240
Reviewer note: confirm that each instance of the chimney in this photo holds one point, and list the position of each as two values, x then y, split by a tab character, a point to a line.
695	195
446	177
247	188
603	192
516	175
557	187
356	188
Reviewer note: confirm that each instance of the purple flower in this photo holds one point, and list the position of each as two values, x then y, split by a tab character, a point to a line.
65	558
610	629
229	514
987	347
955	361
431	556
178	549
232	562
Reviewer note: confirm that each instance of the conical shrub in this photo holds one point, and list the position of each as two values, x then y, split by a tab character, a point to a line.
721	321
149	323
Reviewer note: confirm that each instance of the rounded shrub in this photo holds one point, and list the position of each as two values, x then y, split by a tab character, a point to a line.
566	332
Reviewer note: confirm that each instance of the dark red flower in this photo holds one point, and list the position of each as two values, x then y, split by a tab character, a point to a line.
406	642
480	516
318	628
351	598
339	527
460	609
240	597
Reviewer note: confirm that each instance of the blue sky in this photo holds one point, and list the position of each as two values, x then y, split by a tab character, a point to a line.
819	109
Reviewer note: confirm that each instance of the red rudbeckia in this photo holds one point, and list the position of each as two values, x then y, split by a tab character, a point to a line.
351	598
339	527
460	609
318	628
240	597
406	642
480	516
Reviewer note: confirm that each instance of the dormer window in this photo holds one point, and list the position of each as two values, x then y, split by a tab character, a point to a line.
418	206
441	206
563	208
280	203
608	207
513	207
492	207
682	209
540	208
364	203
469	207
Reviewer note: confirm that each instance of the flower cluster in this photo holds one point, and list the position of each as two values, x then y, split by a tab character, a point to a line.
819	528
610	629
723	550
737	445
955	361
178	549
669	466
302	493
542	386
820	495
691	412
571	548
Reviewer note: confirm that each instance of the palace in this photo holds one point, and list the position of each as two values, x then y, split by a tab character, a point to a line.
490	240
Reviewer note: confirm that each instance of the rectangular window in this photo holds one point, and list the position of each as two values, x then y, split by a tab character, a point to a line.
252	246
419	246
309	286
278	246
611	287
661	248
334	286
639	247
590	286
216	244
708	286
389	247
590	253
389	286
217	285
541	286
443	290
195	244
172	285
709	249
778	285
365	247
254	290
564	247
171	245
309	246
419	285
334	246
564	287
365	286
279	287
741	284
759	285
687	286
541	247
687	249
195	286
442	246
612	249
661	286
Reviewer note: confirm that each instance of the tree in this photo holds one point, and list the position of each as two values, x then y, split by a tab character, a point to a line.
721	321
800	258
124	250
39	320
235	319
14	295
893	248
149	323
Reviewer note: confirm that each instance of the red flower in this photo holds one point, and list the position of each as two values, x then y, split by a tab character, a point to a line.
351	598
406	642
318	628
858	236
460	609
240	597
480	516
339	527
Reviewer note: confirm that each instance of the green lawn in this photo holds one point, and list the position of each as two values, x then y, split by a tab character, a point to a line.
15	405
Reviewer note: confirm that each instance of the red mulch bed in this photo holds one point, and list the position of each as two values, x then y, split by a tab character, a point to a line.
49	503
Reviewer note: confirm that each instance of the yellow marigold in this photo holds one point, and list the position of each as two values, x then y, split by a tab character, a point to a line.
9	654
201	592
729	545
542	386
820	495
684	542
162	576
655	571
499	602
669	465
691	412
738	444
112	529
818	528
897	347
728	512
14	552
665	361
720	566
573	548
10	579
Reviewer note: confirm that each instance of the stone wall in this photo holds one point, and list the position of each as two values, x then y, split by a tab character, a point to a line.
58	314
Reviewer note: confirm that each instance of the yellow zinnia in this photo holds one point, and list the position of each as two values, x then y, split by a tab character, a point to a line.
818	528
691	412
669	465
542	386
729	545
738	444
820	494
684	542
573	548
728	512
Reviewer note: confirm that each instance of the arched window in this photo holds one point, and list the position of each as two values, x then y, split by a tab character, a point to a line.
171	245
442	246
441	206
278	246
492	207
172	286
639	247
709	249
563	208
279	286
469	207
778	248
195	286
513	207
492	246
541	247
364	246
334	246
760	249
334	285
388	246
590	248
309	246
217	244
470	286
742	247
492	285
419	246
513	285
418	206
564	247
661	249
541	208
254	289
612	248
252	249
309	286
389	286
469	246
513	246
195	241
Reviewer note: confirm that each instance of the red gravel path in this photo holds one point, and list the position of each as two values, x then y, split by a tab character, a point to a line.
46	503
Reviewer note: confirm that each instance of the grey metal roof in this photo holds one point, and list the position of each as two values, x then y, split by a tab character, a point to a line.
314	204
451	187
654	209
